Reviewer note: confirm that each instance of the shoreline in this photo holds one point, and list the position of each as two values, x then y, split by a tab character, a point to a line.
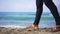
19	26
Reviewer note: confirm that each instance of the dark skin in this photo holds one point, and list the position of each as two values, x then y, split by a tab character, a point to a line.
54	11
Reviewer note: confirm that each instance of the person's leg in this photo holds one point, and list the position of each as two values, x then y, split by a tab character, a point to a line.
54	11
39	6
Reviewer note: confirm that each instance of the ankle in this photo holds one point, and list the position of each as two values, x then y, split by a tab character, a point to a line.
58	26
35	25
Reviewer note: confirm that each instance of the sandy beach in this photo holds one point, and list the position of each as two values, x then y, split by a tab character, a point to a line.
4	30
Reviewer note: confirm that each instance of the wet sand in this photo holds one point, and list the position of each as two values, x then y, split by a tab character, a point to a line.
9	30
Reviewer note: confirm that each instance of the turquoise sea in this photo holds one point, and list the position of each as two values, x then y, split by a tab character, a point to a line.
22	19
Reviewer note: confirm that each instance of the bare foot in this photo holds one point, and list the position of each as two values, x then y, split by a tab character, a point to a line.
55	29
34	27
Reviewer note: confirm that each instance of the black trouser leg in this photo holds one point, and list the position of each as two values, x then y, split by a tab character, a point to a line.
53	10
39	4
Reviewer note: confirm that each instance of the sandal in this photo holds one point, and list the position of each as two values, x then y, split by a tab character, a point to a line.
34	27
55	29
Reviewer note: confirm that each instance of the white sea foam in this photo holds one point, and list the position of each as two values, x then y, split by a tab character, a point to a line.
12	26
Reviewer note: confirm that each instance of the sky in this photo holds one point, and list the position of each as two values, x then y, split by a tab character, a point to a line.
23	5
